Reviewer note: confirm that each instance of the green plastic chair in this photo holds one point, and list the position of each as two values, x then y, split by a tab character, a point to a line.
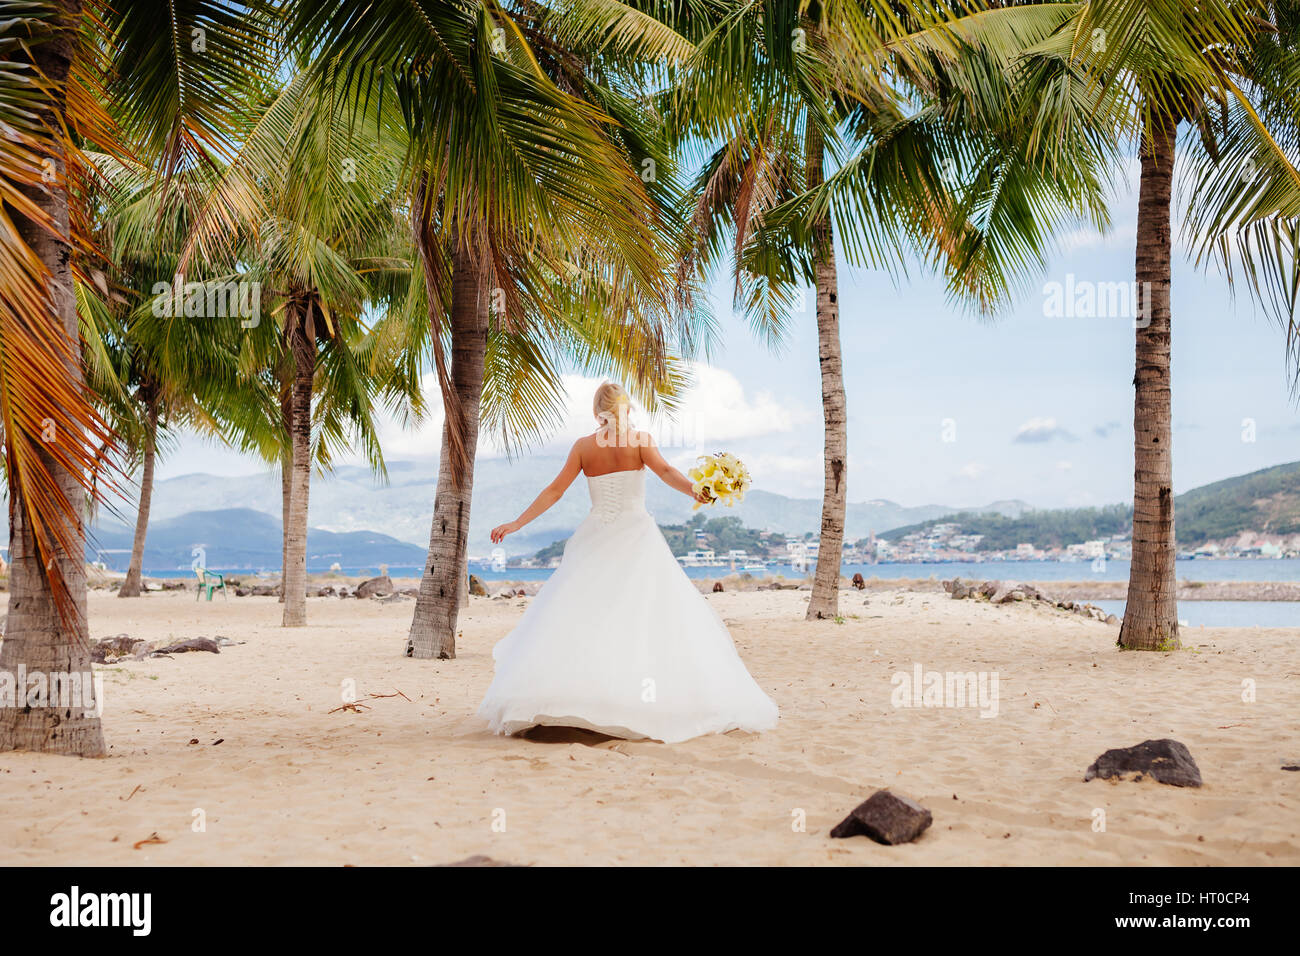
210	581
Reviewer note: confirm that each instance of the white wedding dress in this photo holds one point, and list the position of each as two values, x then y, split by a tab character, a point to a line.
619	641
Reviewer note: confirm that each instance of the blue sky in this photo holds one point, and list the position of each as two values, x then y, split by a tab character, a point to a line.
1033	407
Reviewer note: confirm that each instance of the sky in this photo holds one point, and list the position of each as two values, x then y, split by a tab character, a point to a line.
947	408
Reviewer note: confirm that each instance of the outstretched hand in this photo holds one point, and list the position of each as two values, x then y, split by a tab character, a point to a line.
501	530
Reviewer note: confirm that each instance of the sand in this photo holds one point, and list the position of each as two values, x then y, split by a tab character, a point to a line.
416	780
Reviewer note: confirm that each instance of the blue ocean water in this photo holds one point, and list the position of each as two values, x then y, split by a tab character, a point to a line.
1195	613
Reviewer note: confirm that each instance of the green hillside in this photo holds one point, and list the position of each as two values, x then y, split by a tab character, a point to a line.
1263	501
1043	529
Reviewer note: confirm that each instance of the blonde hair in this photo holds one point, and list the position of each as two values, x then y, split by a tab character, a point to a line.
611	405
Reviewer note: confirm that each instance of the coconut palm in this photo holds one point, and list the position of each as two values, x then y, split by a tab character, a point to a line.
778	98
1227	73
140	224
517	195
49	100
308	212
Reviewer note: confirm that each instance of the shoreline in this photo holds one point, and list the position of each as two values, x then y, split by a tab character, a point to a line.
1084	590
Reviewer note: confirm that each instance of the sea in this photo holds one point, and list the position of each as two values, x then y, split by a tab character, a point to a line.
1193	613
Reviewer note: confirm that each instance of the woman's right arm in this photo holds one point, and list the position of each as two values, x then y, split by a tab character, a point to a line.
673	478
549	496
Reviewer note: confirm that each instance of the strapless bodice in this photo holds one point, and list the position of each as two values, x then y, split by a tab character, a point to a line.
617	493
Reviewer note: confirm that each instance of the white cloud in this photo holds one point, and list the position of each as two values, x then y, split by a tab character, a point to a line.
715	409
1038	430
972	470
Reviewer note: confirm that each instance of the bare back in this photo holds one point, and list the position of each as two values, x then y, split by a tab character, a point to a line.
601	457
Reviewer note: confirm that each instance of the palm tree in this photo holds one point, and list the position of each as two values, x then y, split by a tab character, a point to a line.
140	222
510	179
54	437
783	97
307	213
1228	72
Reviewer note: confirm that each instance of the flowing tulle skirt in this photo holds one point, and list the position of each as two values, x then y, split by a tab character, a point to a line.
619	641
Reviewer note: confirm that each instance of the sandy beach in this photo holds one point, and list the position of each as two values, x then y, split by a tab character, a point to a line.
244	757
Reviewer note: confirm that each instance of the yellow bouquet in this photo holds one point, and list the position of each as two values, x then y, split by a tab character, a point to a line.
723	477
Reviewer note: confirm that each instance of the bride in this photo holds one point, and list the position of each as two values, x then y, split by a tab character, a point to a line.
619	641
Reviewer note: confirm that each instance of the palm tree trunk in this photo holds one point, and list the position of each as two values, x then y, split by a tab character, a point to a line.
132	585
37	641
286	481
295	567
825	599
1151	612
443	587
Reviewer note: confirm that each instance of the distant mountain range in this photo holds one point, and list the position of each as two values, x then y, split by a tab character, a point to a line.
1266	502
244	538
237	520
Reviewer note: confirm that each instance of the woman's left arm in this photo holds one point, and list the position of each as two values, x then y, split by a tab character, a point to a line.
549	496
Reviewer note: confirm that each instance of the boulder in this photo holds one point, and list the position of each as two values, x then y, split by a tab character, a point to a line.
989	588
885	817
947	585
476	587
960	591
717	587
1008	592
479	860
1167	761
375	587
505	593
859	581
193	644
1112	619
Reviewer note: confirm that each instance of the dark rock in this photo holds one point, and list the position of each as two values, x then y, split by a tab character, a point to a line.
375	587
476	587
1291	766
859	581
717	587
989	588
479	860
947	585
887	818
521	593
960	592
1166	760
193	644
